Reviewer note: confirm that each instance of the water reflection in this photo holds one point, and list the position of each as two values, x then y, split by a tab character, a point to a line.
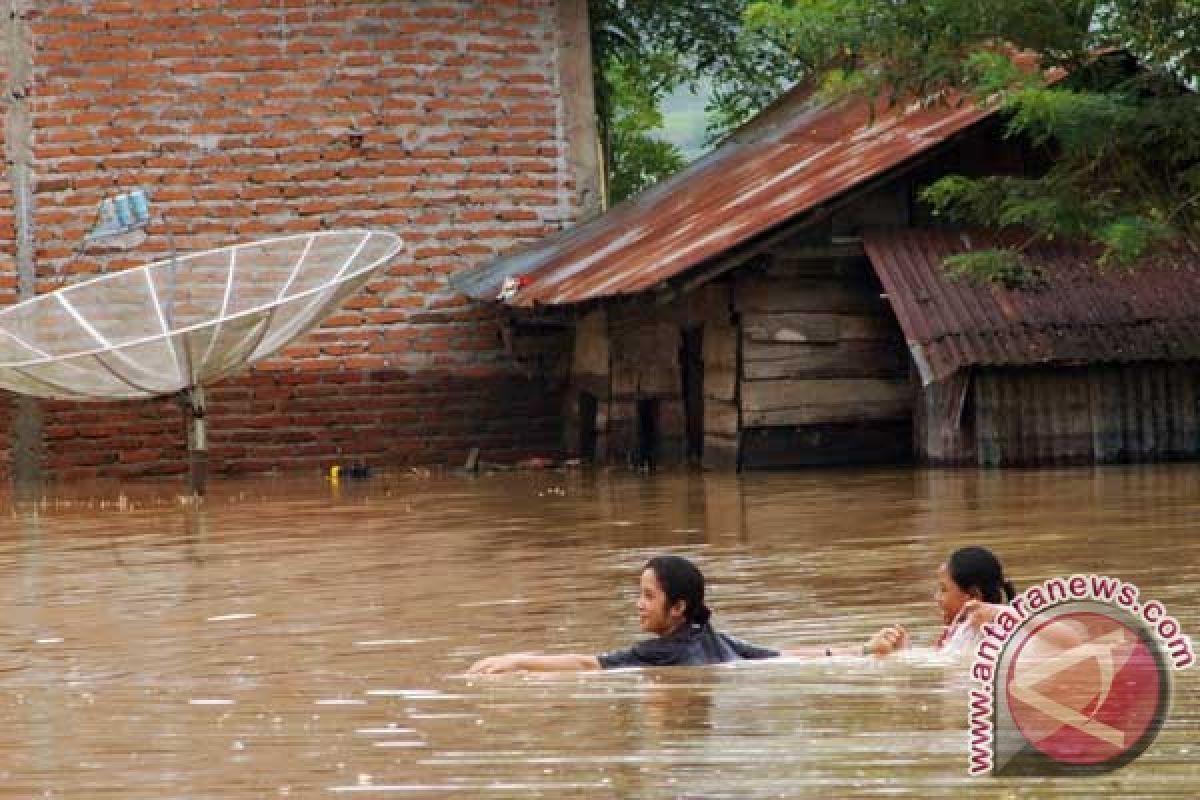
287	638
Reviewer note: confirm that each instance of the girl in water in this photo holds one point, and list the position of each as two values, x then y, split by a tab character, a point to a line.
971	591
671	606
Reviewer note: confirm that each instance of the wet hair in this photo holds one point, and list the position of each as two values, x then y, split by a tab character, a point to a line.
680	579
978	568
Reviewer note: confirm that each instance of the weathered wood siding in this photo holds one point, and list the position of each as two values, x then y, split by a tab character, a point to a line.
824	374
1105	414
943	421
628	355
645	367
722	417
591	376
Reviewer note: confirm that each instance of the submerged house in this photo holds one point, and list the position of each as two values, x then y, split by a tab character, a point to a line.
782	303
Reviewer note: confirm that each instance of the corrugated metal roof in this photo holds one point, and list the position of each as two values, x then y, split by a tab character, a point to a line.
1081	315
791	162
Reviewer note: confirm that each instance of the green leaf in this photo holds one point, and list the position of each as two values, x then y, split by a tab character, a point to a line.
1129	238
645	49
1111	151
1005	267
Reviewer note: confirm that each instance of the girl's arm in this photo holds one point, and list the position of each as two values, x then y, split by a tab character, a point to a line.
888	640
530	662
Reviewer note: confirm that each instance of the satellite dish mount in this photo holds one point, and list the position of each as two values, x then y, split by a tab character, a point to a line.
173	327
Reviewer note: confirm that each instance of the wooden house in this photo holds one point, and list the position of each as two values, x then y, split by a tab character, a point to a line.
782	303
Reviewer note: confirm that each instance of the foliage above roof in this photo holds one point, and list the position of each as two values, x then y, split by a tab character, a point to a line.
1122	128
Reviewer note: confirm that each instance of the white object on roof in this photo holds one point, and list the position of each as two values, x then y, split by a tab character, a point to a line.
186	322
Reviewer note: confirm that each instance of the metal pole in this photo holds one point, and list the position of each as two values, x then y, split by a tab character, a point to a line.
195	408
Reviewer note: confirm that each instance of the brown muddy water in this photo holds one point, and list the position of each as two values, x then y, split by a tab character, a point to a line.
293	639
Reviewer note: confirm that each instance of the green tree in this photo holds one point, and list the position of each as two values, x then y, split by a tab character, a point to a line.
635	157
1122	129
645	49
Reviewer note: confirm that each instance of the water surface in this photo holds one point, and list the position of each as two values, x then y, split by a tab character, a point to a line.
289	638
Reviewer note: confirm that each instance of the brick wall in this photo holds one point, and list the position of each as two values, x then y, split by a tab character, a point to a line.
440	120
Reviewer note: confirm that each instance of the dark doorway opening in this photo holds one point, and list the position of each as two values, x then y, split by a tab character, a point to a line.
647	433
587	426
691	359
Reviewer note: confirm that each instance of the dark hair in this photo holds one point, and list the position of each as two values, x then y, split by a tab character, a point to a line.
681	580
978	568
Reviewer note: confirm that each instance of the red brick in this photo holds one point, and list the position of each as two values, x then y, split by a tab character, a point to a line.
238	137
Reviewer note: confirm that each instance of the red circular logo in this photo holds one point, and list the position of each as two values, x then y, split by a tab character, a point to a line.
1086	689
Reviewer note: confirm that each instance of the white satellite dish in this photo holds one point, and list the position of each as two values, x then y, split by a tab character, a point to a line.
177	325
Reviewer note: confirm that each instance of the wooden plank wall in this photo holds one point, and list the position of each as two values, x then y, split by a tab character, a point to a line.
1099	414
590	373
629	351
943	421
645	366
722	417
824	371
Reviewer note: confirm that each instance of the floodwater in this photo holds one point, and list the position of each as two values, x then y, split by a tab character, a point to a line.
291	638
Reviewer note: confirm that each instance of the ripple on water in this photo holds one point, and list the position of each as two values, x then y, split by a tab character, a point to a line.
283	639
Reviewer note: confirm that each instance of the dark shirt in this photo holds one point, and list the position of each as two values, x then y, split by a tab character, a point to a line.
690	646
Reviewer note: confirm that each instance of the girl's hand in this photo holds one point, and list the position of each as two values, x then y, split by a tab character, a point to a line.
977	613
496	665
887	641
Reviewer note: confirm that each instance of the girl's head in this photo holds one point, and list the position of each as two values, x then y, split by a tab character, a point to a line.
672	593
971	573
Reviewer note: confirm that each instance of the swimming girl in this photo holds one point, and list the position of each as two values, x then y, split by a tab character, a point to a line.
971	591
671	606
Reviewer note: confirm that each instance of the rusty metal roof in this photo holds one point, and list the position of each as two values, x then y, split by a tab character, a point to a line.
796	156
1082	314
